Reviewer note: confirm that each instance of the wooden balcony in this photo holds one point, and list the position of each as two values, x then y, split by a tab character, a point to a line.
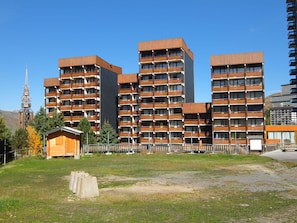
67	118
124	112
146	117
145	59
161	105
236	75
255	128
254	87
220	128
51	94
237	128
176	140
124	102
219	76
254	101
65	86
91	106
146	105
146	94
175	105
173	93
125	91
161	93
160	70
121	124
255	114
91	84
161	117
77	118
65	107
254	74
77	107
204	121
176	129
161	82
161	128
237	101
238	141
221	114
80	85
175	57
220	89
91	96
237	114
160	58
161	140
176	116
146	82
65	76
172	69
146	71
191	134
78	96
93	118
220	101
191	122
221	141
51	104
146	128
78	74
237	88
175	81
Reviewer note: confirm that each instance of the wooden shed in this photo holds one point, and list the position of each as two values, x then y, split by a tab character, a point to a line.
63	141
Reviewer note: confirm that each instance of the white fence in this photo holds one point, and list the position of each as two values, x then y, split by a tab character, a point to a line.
194	148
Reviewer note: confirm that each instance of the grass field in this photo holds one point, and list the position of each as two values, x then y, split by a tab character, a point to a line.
151	188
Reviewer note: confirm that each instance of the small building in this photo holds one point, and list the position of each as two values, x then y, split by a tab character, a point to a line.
63	141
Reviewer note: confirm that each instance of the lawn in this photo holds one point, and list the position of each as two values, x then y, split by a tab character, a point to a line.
151	188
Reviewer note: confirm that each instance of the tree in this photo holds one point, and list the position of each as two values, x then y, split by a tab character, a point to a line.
85	126
267	116
34	140
4	131
108	133
43	123
20	141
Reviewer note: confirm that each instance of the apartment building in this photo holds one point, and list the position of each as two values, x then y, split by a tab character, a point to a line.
86	87
292	28
237	97
166	82
128	108
197	123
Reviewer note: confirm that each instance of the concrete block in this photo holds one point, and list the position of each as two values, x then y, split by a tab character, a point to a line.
83	185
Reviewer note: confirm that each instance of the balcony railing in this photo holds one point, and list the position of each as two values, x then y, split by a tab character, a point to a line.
293	72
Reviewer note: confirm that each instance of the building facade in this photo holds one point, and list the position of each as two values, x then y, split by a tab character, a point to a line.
86	87
292	29
166	82
237	97
281	112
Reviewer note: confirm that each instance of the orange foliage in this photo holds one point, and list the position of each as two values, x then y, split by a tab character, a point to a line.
34	140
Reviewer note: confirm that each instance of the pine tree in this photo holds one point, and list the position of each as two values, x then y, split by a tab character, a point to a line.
20	141
85	126
108	133
4	131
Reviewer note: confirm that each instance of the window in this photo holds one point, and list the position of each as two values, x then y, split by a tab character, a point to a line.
176	135
125	119
176	64
217	96
255	94
66	92
237	108
77	102
160	53
161	65
236	82
90	102
161	100
91	91
236	69
221	122
219	83
255	108
255	121
161	77
161	123
78	81
176	87
238	135
147	66
176	99
145	78
175	52
66	82
220	109
125	97
191	128
147	89
146	54
147	123
176	76
91	113
237	95
254	68
125	129
78	91
221	135
147	112
147	100
173	111
161	112
125	108
191	116
161	88
66	103
176	123
237	122
254	81
219	70
125	86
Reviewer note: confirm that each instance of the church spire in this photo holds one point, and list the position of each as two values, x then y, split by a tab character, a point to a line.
25	114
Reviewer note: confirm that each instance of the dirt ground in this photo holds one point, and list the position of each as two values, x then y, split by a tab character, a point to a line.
249	177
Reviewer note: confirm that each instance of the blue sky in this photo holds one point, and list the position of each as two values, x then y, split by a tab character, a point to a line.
38	33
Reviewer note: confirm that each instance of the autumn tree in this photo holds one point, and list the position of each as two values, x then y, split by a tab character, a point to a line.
108	134
88	134
34	141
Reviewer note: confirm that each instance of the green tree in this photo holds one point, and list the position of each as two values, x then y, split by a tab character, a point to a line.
267	116
85	126
107	132
43	123
20	141
4	131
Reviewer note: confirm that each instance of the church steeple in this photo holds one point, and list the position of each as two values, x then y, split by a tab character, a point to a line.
25	114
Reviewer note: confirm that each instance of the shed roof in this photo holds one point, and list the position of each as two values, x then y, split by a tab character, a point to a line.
65	129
